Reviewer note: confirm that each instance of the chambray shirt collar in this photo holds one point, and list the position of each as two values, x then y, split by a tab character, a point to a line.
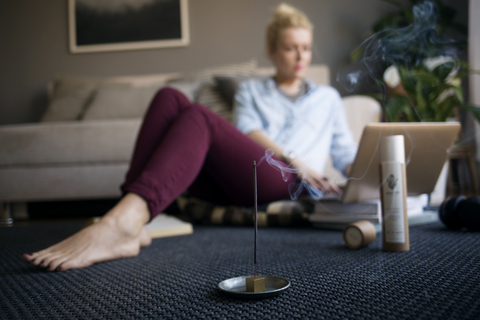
272	86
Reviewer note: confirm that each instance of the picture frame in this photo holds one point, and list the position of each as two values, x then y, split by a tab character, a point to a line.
105	25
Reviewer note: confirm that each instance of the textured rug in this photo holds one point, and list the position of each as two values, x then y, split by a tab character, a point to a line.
439	278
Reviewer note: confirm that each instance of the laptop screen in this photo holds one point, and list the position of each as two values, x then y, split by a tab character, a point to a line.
427	146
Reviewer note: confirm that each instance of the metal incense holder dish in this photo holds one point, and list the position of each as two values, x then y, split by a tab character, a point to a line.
236	287
266	286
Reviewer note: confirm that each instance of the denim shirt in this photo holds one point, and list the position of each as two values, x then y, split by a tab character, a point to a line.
313	127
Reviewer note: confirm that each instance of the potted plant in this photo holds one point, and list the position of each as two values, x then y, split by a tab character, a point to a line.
412	58
429	91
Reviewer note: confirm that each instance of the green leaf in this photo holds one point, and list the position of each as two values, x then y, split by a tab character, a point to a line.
357	54
426	77
446	108
411	115
462	75
463	64
429	115
395	106
420	101
442	71
459	94
406	80
437	91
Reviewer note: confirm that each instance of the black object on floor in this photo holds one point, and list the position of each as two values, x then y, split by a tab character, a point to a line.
73	208
439	278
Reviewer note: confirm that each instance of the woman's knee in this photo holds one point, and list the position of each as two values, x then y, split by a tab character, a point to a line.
170	94
168	100
199	110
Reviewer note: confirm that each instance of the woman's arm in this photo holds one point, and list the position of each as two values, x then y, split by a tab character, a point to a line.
311	176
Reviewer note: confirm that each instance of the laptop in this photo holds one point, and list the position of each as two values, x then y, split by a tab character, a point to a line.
427	147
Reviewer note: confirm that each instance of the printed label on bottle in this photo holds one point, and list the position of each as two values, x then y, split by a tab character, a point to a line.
393	206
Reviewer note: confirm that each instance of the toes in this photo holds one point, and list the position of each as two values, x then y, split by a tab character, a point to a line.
55	263
62	267
48	260
97	243
72	264
37	260
33	258
28	257
41	258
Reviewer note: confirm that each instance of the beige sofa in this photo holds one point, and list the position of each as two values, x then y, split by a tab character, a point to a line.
82	147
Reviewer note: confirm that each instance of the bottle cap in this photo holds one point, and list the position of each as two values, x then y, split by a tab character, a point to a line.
359	234
392	148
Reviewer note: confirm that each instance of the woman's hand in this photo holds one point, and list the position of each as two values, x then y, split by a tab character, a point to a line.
314	178
311	176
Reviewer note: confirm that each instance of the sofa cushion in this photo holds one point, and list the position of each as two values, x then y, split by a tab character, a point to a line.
68	143
126	101
69	96
83	181
119	101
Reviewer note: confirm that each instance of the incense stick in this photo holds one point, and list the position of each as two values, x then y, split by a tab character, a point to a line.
255	209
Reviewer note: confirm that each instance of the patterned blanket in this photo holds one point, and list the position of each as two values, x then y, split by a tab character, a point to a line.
278	213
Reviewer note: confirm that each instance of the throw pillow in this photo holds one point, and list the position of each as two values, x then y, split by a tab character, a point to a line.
68	102
119	102
210	97
206	76
228	86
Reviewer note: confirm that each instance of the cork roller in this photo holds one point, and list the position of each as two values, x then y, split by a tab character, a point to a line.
366	232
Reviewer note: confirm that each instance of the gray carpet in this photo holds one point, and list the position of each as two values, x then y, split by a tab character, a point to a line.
439	278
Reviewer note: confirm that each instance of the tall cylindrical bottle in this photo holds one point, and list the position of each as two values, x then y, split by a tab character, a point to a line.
393	194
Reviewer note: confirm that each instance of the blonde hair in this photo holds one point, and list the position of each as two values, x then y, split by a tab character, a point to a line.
285	16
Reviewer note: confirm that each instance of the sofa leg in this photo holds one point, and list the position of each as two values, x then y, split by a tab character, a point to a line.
19	211
5	215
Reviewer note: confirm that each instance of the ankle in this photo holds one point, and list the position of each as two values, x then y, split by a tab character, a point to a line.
130	213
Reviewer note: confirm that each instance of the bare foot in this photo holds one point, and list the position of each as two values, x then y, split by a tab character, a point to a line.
119	234
145	239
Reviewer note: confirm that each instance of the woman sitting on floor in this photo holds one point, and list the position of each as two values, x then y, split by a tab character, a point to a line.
184	146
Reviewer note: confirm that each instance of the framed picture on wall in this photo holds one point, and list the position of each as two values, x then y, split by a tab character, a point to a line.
106	25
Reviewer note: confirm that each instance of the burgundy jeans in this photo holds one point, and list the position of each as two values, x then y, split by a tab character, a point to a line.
184	146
